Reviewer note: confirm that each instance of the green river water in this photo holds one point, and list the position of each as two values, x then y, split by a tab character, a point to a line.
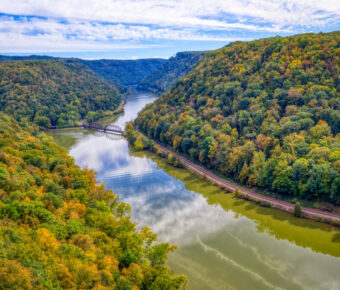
224	242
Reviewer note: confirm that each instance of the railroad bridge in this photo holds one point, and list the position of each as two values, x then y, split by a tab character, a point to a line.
108	128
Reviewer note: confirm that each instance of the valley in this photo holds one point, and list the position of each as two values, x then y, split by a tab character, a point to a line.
148	203
224	242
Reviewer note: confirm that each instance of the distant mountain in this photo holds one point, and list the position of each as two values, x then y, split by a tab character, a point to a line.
29	57
54	92
175	68
126	74
155	74
265	112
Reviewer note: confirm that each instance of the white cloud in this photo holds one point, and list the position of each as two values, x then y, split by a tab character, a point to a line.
97	31
36	34
16	43
184	13
92	25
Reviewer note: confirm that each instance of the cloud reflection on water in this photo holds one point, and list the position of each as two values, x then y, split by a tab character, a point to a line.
111	159
177	215
159	201
238	251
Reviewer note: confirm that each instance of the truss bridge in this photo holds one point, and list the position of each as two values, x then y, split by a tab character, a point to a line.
108	128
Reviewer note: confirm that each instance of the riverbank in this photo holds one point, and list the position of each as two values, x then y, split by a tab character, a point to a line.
246	193
223	242
109	118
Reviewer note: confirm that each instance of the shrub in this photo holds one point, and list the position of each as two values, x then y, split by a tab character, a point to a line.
297	209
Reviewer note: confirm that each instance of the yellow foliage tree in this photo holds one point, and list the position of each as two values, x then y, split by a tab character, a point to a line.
47	240
177	141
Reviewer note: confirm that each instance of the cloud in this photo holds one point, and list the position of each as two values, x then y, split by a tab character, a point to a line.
30	34
98	31
184	13
91	25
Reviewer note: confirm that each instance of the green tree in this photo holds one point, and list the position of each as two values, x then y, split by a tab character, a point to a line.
297	209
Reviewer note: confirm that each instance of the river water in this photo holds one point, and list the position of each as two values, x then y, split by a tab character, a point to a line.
224	243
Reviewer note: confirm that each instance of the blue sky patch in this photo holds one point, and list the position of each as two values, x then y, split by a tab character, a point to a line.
149	28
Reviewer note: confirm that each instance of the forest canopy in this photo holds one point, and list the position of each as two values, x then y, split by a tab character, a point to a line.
54	92
166	76
125	74
153	74
60	229
265	113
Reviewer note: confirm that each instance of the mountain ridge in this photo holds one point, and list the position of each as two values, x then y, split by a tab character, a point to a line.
54	93
264	112
150	74
175	68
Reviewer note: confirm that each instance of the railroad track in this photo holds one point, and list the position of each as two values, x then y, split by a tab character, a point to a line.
276	203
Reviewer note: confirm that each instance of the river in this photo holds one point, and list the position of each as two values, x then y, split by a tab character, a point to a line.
224	243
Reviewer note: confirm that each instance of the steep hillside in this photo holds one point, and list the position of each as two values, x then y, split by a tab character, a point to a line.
175	68
126	74
154	74
59	229
53	92
265	112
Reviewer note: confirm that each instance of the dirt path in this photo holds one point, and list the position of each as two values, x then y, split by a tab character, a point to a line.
275	203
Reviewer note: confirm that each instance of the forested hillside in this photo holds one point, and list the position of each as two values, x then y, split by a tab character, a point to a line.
265	112
59	229
54	92
175	68
126	74
154	74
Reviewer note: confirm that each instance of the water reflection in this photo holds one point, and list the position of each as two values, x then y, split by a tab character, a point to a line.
159	201
211	240
109	159
219	248
176	215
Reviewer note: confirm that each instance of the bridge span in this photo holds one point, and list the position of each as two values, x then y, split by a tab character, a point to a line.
115	129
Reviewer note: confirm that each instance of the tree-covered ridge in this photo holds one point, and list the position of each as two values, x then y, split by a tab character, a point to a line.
265	112
60	229
53	92
126	74
155	74
29	57
175	68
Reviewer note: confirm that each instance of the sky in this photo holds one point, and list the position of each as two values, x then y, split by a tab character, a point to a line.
131	29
